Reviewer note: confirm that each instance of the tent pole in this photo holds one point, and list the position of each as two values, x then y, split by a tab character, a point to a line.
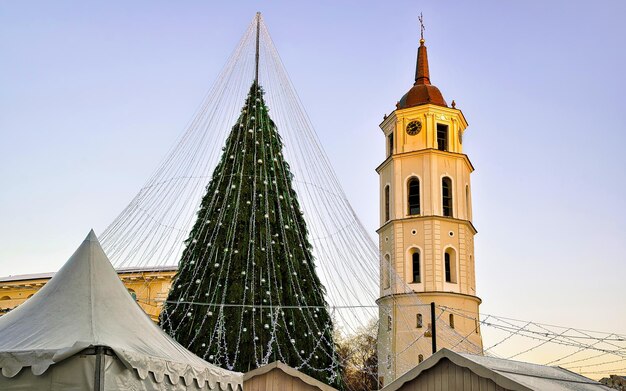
98	384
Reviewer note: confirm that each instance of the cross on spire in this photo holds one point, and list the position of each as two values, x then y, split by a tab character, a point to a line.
422	75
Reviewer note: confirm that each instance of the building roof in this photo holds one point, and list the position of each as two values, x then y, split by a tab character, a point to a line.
289	371
509	374
123	270
86	305
422	91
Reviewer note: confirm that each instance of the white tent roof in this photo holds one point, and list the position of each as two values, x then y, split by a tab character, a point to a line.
85	304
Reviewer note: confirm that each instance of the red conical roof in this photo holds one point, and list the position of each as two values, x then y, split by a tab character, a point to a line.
422	92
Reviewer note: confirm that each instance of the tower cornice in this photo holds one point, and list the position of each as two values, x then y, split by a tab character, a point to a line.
427	293
428	217
426	151
423	109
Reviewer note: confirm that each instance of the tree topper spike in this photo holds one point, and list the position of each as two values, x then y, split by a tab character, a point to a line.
256	57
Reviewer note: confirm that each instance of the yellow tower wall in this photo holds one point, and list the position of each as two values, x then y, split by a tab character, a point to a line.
401	342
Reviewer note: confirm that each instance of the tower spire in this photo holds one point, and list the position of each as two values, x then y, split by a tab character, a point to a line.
422	76
256	57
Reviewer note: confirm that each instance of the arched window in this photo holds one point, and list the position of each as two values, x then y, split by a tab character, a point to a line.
420	321
5	298
420	358
446	196
442	137
415	258
386	266
449	262
448	267
413	193
451	321
387	215
389	323
133	294
467	202
390	144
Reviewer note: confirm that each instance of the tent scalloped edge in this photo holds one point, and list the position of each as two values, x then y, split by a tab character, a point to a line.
13	364
162	368
200	383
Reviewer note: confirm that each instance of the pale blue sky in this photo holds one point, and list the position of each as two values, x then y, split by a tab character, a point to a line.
93	95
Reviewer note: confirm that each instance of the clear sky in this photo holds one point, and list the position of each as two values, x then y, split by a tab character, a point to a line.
93	95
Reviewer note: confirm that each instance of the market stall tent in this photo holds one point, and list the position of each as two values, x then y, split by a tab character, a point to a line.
278	376
448	370
84	331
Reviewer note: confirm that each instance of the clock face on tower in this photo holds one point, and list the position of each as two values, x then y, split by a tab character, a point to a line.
413	128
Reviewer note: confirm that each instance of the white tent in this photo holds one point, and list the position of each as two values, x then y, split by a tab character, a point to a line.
84	331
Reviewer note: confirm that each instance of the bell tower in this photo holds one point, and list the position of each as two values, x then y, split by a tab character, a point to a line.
426	235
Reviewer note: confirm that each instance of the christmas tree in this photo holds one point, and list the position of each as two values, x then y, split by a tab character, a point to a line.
247	292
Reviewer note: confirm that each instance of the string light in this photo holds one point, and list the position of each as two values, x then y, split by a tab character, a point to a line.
154	227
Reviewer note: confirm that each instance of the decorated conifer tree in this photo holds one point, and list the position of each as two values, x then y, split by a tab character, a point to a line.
247	292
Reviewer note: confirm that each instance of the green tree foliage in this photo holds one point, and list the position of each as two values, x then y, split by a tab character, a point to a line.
247	292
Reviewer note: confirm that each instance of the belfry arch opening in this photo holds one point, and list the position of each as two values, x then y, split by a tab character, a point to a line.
442	137
446	196
413	196
467	203
449	265
386	266
386	201
416	269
